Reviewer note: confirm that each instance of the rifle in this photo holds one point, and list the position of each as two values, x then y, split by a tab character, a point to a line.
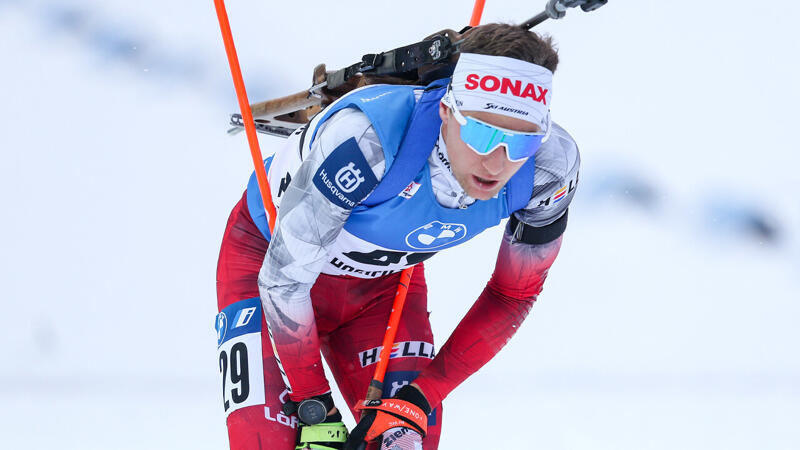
419	63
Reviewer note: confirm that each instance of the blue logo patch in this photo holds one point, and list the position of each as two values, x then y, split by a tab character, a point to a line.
222	327
345	177
247	319
436	234
393	381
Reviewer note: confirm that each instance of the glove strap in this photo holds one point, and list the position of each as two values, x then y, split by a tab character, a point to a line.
397	413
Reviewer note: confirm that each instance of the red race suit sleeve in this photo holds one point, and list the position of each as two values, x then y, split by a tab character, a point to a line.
517	280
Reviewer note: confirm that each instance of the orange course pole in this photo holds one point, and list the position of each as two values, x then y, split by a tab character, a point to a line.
247	114
394	321
477	12
375	389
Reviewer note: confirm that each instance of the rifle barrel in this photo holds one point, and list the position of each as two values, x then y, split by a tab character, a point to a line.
535	20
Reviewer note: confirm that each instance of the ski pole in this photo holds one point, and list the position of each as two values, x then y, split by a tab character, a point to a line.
477	11
375	389
247	114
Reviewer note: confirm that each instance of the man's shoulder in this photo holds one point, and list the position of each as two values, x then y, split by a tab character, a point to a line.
556	157
343	125
557	165
354	112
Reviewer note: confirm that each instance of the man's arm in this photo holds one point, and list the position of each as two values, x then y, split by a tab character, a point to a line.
530	245
312	213
517	280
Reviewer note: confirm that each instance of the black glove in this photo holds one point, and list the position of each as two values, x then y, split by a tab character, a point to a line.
408	408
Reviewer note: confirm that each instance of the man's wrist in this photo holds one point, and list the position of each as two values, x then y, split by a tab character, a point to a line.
413	394
428	389
414	384
313	410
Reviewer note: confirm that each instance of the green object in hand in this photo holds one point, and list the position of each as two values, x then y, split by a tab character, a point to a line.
322	436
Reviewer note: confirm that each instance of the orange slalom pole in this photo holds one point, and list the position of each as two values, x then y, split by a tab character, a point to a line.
477	12
375	390
394	321
247	114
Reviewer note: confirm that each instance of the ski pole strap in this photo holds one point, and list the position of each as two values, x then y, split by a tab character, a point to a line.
393	413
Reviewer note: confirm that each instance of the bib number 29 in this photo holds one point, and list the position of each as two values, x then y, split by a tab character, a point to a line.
239	354
234	368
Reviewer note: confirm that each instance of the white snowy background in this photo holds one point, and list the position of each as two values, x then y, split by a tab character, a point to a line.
669	320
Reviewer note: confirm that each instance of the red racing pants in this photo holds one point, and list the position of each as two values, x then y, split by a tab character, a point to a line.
351	316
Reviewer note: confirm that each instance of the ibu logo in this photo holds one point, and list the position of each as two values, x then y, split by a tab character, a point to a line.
436	234
243	317
222	327
348	178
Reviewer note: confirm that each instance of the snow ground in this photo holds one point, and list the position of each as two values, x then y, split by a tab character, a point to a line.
668	321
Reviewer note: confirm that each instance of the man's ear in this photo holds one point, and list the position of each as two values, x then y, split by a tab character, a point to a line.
443	110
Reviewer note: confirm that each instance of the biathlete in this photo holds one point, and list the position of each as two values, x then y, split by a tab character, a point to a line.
381	180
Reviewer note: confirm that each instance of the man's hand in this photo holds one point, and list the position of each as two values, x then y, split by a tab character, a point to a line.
407	409
328	435
321	424
313	410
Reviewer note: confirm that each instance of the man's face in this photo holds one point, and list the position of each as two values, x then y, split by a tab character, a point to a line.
481	176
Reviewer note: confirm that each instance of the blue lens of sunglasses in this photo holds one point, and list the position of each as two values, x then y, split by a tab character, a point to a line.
484	138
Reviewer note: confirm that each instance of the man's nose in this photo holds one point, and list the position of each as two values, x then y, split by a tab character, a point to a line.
495	161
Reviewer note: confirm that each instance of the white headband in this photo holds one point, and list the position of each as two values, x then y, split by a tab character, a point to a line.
505	86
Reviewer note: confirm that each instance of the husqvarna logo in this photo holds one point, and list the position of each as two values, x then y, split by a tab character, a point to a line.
348	178
436	234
